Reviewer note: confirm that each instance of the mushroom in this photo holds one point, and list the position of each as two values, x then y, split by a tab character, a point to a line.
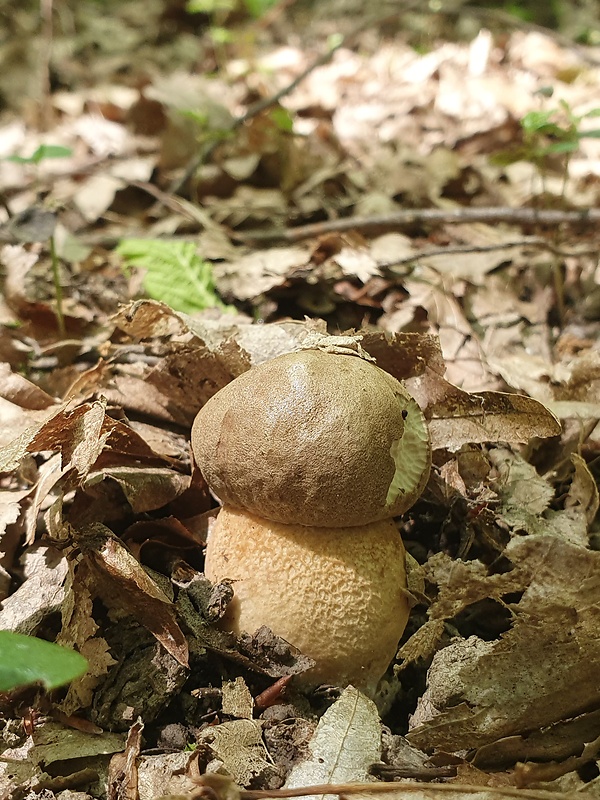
311	455
337	594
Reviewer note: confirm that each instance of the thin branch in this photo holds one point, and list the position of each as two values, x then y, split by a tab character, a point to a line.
528	241
252	111
215	788
429	216
401	786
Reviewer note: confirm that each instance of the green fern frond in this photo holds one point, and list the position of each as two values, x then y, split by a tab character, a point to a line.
175	273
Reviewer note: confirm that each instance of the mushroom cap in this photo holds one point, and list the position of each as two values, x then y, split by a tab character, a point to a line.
337	594
314	438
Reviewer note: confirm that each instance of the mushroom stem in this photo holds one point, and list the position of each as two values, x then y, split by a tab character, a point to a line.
338	594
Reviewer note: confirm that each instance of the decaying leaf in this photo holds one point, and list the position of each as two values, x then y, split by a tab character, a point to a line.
122	580
236	699
539	672
146	488
165	774
122	777
345	744
79	631
42	592
240	748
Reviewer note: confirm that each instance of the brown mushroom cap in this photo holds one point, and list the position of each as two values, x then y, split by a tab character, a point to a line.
316	439
335	593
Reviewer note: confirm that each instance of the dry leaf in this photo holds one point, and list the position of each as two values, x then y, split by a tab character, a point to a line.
121	580
345	744
239	745
540	672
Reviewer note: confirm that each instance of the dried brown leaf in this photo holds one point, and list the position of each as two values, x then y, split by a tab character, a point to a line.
456	417
18	390
79	631
540	672
122	581
146	488
257	273
122	771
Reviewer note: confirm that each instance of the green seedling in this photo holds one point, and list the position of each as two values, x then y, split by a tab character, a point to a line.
42	153
556	132
550	133
174	273
25	660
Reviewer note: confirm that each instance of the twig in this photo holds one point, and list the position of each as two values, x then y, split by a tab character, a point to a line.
60	317
400	786
252	111
216	789
429	216
109	241
528	241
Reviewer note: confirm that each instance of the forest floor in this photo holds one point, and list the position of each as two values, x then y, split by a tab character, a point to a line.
187	195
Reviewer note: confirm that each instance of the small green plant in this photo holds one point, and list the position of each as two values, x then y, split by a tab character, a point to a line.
42	153
175	273
555	132
548	133
219	12
25	660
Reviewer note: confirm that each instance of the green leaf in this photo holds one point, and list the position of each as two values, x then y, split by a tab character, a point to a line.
209	6
175	273
282	119
535	120
43	151
25	660
561	147
221	35
257	8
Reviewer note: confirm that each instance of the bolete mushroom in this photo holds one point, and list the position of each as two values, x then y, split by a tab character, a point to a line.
312	454
314	438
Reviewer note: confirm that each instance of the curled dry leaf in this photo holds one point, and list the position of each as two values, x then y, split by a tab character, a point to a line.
79	631
145	488
122	771
457	417
256	273
18	390
121	580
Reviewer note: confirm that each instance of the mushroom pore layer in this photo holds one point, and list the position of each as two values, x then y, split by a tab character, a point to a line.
335	593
